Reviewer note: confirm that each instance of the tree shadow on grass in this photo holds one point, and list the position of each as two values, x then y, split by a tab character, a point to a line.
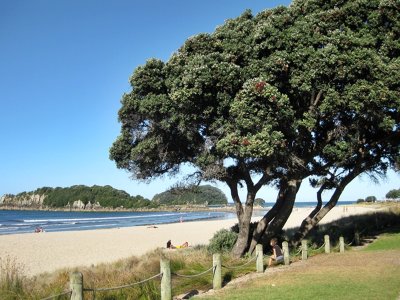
356	229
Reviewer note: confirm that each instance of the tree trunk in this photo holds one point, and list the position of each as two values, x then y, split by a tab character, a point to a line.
284	212
241	244
317	208
268	217
235	196
309	223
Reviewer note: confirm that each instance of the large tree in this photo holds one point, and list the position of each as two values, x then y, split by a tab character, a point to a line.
305	91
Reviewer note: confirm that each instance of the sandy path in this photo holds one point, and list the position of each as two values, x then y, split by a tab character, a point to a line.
49	251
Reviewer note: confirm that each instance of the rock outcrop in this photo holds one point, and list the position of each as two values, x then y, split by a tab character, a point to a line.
78	204
26	200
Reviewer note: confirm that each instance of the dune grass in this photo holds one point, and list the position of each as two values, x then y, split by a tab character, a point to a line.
14	285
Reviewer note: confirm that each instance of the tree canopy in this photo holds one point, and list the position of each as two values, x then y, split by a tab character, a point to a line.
393	194
305	91
204	194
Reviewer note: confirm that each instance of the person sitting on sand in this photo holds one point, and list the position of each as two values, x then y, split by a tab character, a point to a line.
170	246
39	229
277	255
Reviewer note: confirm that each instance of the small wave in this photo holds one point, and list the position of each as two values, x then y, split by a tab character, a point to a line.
79	227
100	219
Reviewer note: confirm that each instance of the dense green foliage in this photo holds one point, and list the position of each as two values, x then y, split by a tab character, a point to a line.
370	199
222	241
204	194
306	91
393	194
106	196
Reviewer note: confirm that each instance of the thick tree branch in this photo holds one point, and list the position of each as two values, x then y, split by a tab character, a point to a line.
236	199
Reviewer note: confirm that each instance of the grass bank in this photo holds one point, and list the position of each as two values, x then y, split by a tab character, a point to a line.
373	273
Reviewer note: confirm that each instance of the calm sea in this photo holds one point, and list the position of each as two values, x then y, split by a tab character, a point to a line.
19	221
22	221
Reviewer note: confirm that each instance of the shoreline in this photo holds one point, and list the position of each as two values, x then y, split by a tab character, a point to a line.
50	251
172	208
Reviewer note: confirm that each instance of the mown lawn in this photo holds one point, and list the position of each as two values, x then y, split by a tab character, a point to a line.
385	242
370	274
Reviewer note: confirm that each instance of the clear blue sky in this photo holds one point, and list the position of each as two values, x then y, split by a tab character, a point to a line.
63	68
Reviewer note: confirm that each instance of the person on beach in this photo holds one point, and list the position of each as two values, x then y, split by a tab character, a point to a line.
277	255
170	246
39	229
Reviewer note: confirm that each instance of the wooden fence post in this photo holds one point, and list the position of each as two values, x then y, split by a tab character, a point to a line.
286	257
341	244
260	258
304	250
356	238
217	268
165	268
327	244
76	286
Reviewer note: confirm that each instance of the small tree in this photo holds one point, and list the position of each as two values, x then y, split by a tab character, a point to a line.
360	200
370	199
393	194
259	202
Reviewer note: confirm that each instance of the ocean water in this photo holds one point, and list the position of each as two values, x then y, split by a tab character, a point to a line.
23	221
20	221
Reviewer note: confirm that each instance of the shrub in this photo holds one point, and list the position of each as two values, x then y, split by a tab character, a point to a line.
222	241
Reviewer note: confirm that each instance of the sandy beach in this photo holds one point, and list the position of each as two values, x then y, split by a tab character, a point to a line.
49	251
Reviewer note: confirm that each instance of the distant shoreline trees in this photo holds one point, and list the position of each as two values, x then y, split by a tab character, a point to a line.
109	197
201	195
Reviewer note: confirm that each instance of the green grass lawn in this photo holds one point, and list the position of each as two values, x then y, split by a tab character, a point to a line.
370	274
385	242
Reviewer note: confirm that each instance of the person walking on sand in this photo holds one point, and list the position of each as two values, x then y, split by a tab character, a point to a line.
277	254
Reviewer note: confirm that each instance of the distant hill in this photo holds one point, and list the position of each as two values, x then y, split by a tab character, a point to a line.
77	196
201	195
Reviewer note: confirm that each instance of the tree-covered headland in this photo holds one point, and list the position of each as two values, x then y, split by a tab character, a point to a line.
97	197
64	197
305	94
201	195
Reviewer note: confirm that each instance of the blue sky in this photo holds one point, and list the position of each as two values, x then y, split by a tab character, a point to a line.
63	68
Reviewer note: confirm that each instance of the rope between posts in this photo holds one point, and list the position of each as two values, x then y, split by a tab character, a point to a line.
315	250
354	237
123	286
298	252
349	244
58	295
241	266
192	276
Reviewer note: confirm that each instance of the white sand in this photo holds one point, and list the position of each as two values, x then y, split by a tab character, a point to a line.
49	251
